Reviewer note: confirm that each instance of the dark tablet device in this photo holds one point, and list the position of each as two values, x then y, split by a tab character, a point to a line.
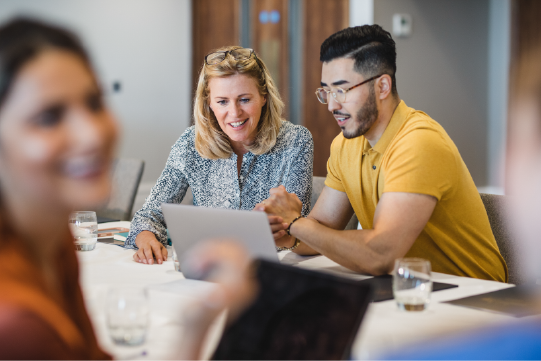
297	315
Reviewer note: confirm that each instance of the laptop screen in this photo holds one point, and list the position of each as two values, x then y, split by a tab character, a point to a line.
298	314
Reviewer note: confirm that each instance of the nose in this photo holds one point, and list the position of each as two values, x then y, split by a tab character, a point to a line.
332	104
236	110
90	132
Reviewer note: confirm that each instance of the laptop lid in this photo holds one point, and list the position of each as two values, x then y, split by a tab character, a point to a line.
189	225
298	315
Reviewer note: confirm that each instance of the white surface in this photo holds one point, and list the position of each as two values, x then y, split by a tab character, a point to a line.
146	45
499	56
384	328
361	12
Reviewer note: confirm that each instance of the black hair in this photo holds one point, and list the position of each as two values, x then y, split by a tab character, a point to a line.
372	48
22	39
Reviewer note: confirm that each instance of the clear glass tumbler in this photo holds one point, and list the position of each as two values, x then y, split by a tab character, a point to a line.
127	311
412	284
174	258
84	228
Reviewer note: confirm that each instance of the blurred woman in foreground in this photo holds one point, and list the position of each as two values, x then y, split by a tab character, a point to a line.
57	141
56	146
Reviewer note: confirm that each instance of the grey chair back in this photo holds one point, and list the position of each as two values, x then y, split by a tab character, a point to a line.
495	206
127	175
318	183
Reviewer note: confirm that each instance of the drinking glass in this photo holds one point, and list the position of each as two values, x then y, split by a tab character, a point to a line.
174	258
84	228
127	313
412	284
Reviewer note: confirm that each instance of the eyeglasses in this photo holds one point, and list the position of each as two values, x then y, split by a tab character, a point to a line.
338	94
237	54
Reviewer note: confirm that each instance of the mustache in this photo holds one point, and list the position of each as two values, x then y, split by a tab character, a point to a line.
336	112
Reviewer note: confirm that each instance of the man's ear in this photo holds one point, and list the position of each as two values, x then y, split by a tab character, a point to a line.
385	85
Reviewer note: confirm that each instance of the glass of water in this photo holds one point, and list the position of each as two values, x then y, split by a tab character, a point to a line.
84	228
127	312
412	284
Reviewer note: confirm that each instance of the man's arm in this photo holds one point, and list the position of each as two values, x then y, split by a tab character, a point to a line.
398	221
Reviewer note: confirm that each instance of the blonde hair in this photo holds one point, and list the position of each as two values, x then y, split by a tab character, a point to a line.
210	140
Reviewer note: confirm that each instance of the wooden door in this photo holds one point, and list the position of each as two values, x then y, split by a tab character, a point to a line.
269	37
215	24
322	18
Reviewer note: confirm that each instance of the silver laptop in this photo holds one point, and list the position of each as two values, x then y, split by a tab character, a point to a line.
189	225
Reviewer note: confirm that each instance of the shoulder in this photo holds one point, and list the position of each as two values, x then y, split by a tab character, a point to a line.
185	144
20	328
187	138
290	131
423	133
292	135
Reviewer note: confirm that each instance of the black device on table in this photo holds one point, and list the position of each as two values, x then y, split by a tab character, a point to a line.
298	314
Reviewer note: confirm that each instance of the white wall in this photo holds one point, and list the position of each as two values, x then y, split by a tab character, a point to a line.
145	45
499	49
361	12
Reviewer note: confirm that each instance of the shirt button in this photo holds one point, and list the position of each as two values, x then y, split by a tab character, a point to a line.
374	167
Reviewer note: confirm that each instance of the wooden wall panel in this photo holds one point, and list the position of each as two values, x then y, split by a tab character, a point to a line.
215	24
322	18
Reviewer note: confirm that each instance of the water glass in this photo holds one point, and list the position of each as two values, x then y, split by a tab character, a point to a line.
174	258
412	284
84	228
127	311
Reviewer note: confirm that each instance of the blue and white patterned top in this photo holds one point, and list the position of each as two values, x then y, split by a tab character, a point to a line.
215	183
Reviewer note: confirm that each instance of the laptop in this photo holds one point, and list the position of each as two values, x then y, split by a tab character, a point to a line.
189	225
298	314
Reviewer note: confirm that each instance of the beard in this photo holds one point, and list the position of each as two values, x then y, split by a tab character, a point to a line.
365	117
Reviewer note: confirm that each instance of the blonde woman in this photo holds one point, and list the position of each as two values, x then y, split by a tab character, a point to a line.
238	149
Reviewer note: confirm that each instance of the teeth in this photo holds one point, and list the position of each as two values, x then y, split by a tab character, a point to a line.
82	167
238	124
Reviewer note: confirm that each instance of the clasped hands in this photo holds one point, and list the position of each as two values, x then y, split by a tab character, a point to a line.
281	207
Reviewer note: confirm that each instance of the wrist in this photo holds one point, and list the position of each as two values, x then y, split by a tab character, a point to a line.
288	229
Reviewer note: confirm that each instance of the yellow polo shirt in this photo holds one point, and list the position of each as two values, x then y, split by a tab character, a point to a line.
415	155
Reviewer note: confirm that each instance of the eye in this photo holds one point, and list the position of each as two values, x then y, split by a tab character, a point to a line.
222	102
339	91
94	102
245	100
50	116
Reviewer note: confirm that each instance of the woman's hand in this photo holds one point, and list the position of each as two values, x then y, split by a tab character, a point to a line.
149	248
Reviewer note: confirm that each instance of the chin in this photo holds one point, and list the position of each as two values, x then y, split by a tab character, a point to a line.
90	196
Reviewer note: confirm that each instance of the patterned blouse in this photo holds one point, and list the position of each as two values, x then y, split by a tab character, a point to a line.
215	183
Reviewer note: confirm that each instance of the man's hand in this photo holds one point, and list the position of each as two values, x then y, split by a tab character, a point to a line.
149	247
282	204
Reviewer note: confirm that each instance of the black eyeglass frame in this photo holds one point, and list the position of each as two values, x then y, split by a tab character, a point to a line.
344	90
252	52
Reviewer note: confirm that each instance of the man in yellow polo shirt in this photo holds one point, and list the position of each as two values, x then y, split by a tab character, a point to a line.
392	165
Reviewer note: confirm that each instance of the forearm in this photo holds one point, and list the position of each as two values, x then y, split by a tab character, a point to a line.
357	250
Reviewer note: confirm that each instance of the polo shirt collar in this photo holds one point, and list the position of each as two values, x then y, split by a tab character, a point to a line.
398	118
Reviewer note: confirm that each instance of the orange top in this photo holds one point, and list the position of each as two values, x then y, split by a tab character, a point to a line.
34	323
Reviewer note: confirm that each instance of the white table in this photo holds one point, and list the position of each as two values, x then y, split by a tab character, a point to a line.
383	330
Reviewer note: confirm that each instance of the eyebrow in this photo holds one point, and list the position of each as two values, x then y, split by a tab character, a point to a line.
339	82
238	96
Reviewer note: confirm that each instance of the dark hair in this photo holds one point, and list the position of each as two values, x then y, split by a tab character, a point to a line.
22	39
372	48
